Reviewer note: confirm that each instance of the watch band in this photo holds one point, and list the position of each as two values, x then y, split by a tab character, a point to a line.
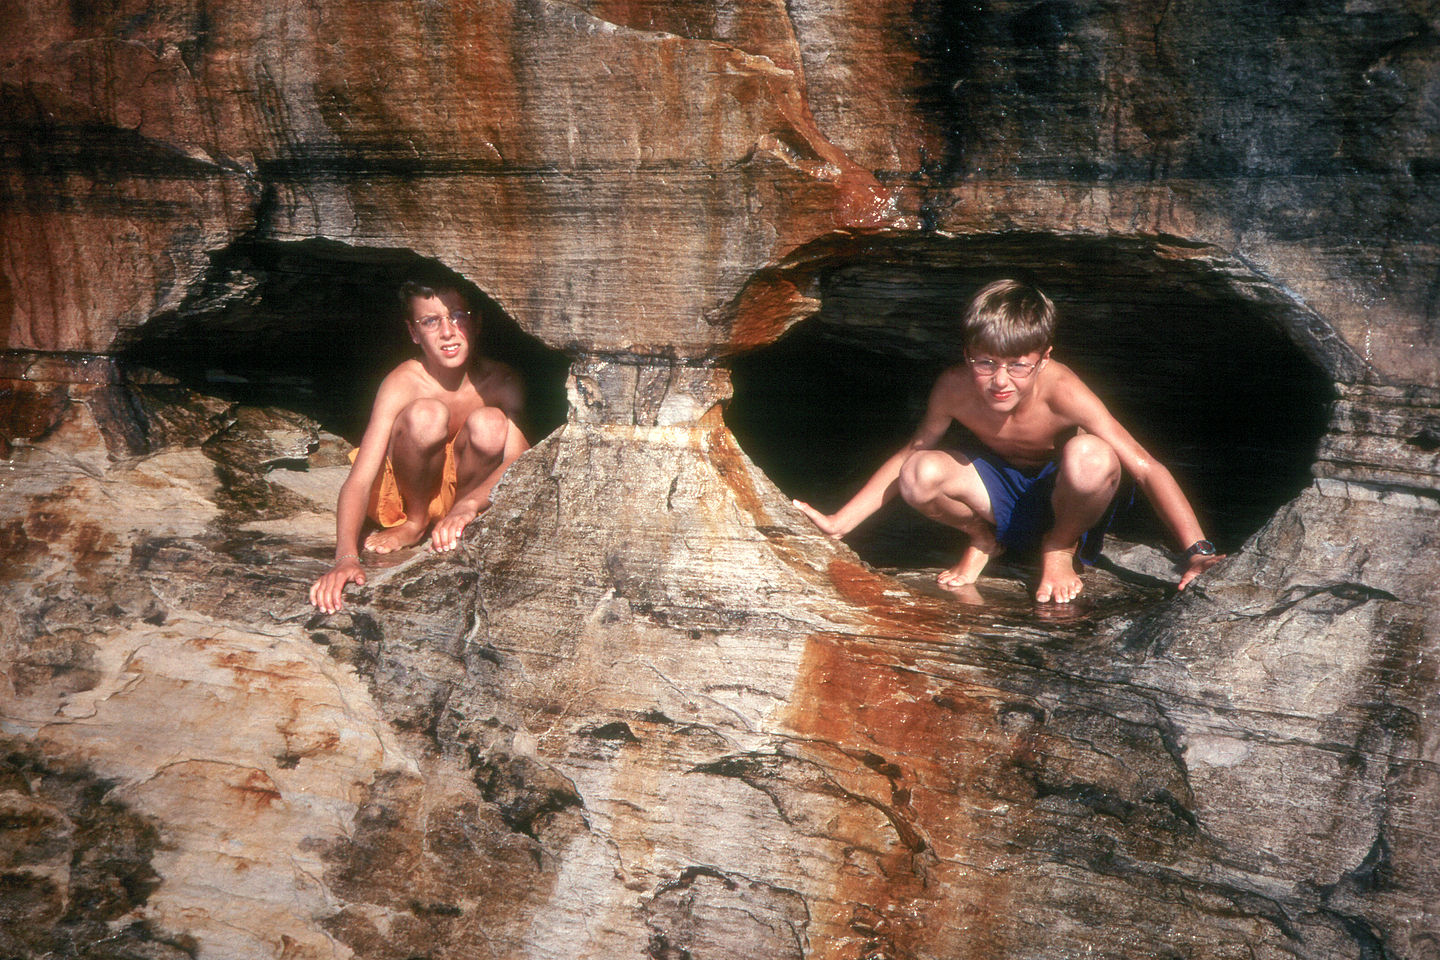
1200	548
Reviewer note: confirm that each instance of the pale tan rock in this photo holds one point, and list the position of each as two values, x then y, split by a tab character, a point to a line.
646	707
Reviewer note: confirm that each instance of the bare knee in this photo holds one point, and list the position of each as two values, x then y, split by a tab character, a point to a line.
424	423
1089	465
923	476
486	431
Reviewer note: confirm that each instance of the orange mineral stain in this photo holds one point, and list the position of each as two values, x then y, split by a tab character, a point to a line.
729	463
920	741
765	309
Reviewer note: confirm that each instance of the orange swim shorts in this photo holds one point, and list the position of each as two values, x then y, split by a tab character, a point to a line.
387	507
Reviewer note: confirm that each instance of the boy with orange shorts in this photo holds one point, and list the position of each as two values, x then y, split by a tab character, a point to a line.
440	436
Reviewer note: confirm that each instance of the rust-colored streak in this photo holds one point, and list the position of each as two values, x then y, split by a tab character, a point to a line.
47	525
29	411
729	463
896	611
92	545
924	749
765	309
257	791
7	308
248	674
17	551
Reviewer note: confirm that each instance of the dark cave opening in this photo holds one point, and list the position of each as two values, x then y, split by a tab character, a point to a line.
314	326
1197	366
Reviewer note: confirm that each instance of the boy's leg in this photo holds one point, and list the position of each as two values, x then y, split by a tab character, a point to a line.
1085	483
484	446
946	487
417	458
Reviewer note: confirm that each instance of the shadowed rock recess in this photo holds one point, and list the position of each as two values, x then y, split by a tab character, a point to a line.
646	710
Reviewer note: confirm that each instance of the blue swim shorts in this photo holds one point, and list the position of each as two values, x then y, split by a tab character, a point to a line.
1020	500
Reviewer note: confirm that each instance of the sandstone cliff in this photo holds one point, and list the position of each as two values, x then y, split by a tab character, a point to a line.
647	710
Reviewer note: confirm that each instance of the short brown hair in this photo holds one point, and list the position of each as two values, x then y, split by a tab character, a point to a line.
425	287
1008	318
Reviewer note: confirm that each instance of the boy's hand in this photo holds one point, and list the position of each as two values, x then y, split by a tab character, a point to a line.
326	592
1198	565
446	535
824	521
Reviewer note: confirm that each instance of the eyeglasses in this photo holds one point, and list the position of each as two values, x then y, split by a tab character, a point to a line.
432	320
1018	369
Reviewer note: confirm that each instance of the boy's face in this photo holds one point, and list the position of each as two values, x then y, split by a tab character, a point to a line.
1005	382
442	327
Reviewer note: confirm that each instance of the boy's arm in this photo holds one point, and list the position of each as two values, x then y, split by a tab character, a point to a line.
1079	403
326	593
881	488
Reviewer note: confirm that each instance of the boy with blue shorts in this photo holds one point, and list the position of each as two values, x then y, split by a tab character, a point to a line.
1048	463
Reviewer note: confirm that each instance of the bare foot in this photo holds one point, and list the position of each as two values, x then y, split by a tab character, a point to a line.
390	539
1059	580
966	593
446	535
972	561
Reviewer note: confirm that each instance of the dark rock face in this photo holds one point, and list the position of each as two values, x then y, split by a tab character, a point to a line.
1253	127
75	862
646	710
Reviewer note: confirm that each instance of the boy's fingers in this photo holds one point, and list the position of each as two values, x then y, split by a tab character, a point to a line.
1200	565
816	517
327	593
827	525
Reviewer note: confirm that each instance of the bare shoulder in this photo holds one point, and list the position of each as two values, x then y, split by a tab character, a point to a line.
1066	393
405	378
498	370
499	384
400	386
951	381
1075	404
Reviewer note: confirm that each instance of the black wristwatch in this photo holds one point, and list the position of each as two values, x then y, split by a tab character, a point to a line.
1200	548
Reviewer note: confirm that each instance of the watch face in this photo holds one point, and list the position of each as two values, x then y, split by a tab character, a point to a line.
1202	548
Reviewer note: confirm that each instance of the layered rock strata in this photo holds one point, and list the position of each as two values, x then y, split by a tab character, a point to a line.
647	710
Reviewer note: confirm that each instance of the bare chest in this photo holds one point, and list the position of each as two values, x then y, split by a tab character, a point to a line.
1026	438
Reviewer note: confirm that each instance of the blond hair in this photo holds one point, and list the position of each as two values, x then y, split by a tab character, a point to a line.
1008	319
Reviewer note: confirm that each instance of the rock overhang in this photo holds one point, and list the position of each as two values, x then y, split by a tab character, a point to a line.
315	325
1223	375
1221	372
